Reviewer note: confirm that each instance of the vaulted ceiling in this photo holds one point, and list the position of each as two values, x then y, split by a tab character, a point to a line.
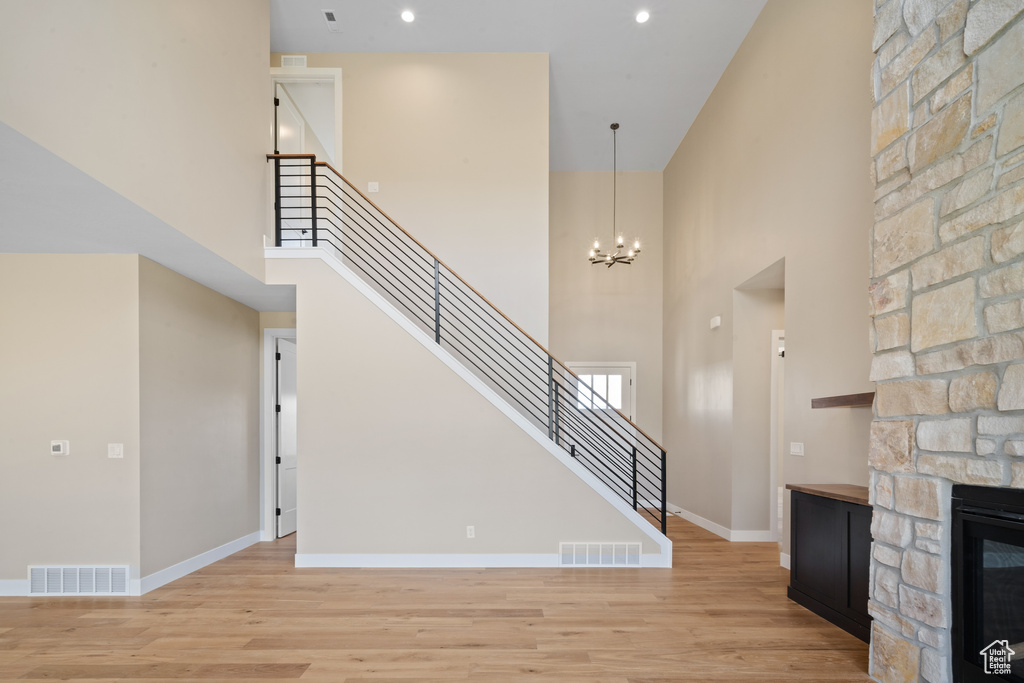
652	78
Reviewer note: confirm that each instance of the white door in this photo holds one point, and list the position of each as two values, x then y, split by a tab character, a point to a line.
287	438
295	181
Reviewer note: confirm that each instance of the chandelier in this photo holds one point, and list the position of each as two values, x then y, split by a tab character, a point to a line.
619	254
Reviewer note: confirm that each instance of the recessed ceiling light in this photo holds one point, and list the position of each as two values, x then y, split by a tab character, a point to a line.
642	16
408	16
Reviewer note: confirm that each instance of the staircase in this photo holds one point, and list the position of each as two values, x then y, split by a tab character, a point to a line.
315	206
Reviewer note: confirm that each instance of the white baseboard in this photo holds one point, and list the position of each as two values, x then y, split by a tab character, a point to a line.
707	524
451	560
784	560
426	560
175	572
15	588
733	535
653	560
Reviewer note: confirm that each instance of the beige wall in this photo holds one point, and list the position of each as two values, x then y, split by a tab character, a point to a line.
609	314
164	101
282	320
199	373
116	349
775	166
71	344
459	145
398	454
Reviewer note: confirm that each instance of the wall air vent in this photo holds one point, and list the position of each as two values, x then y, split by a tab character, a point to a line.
78	580
599	554
293	60
332	21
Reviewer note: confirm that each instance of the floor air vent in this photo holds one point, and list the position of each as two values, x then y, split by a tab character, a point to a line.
599	554
78	580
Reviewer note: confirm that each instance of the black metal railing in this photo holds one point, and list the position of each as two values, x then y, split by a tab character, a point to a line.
316	207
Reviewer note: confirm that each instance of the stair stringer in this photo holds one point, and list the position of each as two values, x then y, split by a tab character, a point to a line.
659	559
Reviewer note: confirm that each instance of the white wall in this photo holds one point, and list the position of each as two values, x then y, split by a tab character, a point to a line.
199	372
71	344
398	454
459	146
316	104
164	101
609	314
117	349
775	166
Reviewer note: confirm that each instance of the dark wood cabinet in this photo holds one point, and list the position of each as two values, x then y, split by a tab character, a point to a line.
830	554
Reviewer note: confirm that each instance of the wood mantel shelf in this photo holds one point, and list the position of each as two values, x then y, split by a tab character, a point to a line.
846	492
844	401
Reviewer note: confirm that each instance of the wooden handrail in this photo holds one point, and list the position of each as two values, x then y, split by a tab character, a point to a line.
460	278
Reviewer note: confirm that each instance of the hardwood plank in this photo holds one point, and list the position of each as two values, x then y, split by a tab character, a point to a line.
720	615
168	670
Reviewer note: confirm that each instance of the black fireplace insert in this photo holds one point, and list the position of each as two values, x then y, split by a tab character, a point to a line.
988	584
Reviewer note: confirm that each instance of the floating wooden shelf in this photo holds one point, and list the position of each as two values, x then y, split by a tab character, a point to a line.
845	401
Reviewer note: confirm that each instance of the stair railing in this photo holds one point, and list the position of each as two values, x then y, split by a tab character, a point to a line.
315	206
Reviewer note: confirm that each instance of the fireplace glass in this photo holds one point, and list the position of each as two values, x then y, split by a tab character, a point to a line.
988	584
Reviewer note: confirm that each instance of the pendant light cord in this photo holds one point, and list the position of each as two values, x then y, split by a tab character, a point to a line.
615	179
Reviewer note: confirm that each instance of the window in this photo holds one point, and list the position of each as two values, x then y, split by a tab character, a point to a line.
605	385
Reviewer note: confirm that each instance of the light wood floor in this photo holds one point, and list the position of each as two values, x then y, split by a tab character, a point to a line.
720	615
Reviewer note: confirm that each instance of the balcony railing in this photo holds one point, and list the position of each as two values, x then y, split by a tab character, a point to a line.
316	207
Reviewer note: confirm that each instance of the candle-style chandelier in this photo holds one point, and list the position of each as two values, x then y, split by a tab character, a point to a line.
619	254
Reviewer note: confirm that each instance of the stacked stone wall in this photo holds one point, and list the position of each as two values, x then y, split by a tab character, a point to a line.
947	302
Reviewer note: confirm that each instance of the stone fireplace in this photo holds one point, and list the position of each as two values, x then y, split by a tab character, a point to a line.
947	303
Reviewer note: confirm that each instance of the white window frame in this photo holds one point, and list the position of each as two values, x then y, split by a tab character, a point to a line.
576	366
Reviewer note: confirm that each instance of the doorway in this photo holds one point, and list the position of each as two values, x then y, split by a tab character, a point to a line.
777	349
286	460
758	317
269	439
315	95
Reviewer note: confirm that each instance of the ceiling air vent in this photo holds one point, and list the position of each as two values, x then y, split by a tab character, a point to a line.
332	21
78	580
599	554
293	60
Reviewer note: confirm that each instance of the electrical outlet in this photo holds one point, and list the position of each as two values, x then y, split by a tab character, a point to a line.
115	450
470	532
796	448
60	447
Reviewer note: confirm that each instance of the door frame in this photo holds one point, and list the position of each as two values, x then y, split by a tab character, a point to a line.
298	74
775	437
268	430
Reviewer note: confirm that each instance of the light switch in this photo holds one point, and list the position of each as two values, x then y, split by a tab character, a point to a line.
716	322
60	447
373	187
796	448
115	450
